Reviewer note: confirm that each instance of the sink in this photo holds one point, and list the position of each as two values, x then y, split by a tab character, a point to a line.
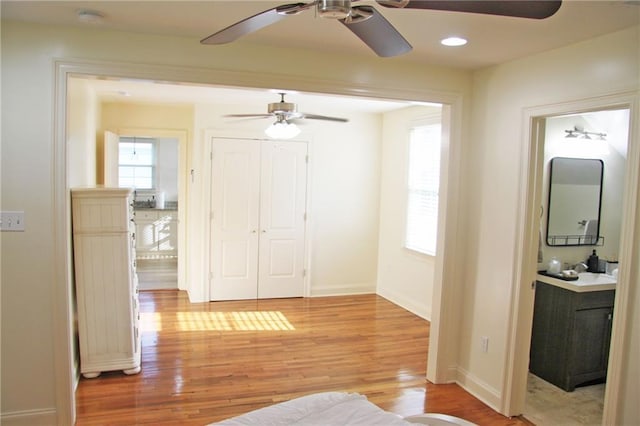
583	282
592	278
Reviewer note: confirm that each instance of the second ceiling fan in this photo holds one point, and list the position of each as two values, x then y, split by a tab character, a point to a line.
286	113
372	27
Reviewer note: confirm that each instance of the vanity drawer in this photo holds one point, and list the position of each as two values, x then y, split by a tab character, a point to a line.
146	215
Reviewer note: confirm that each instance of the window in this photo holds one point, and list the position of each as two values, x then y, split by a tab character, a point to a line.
136	163
423	186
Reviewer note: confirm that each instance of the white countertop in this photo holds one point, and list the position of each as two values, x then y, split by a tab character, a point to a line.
587	281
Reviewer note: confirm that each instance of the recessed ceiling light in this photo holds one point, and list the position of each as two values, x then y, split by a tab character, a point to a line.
89	16
453	41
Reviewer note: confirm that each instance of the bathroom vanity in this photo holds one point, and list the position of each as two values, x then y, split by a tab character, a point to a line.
156	232
572	329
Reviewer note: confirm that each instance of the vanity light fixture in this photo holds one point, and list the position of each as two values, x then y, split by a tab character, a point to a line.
282	129
453	41
578	132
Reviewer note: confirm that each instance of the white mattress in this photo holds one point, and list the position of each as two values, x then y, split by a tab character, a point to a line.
329	408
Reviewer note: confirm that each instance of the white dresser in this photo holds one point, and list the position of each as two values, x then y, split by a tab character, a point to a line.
106	281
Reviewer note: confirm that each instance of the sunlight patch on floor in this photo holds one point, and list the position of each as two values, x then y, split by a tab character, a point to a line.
234	321
150	321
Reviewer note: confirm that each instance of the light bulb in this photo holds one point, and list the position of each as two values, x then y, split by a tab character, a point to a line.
282	130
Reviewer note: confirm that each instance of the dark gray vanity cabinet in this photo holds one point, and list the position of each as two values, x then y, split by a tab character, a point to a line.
571	335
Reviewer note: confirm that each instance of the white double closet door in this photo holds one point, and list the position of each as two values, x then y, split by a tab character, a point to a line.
258	219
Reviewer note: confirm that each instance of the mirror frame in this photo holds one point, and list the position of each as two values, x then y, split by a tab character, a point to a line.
572	240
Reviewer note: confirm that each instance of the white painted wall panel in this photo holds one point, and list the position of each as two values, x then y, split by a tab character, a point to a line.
404	277
491	168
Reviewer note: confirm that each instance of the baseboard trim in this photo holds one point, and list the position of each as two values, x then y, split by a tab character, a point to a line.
406	303
479	389
343	289
29	417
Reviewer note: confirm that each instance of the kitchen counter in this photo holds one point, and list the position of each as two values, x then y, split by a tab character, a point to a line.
153	209
586	282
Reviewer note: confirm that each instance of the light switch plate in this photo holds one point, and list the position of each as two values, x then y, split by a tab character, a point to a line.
12	221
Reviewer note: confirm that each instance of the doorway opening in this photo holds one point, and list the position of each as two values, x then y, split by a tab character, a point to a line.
152	161
150	166
66	72
572	319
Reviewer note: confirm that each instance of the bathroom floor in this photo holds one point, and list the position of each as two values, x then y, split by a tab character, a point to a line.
548	405
157	273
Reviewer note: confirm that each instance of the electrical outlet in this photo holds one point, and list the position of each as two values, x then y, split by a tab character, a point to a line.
12	221
484	343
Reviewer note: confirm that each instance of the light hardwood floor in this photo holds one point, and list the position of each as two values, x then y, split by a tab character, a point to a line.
205	362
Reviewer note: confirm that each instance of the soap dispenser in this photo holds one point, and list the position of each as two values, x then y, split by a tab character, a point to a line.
593	263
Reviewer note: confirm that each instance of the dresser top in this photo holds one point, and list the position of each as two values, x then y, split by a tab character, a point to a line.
100	191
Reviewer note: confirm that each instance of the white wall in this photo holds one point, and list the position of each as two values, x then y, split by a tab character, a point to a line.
33	379
344	175
597	67
30	384
404	277
81	140
613	153
167	168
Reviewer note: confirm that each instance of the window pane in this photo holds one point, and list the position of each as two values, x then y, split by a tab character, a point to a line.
423	186
136	164
136	153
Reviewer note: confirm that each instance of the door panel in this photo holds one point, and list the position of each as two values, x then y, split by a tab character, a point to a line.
258	206
236	256
235	214
282	219
282	254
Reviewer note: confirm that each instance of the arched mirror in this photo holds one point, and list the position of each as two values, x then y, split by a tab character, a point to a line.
575	192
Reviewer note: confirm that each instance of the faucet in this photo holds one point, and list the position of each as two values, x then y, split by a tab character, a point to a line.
580	267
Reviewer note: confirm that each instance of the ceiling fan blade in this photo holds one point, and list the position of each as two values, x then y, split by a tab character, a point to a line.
376	32
248	115
533	9
254	23
324	117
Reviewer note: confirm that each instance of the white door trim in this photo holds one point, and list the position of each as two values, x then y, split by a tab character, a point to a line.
519	337
442	347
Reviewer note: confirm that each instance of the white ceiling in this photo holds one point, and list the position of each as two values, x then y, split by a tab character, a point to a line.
492	39
254	101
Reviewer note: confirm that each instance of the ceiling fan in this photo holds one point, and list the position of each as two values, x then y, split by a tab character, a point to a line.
371	26
287	111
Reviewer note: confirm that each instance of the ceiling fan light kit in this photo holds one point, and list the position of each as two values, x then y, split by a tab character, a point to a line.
282	129
372	27
283	112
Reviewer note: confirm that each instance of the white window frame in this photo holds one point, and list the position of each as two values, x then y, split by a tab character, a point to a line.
412	241
152	166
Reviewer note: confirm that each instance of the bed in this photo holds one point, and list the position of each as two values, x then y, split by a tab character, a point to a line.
335	408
